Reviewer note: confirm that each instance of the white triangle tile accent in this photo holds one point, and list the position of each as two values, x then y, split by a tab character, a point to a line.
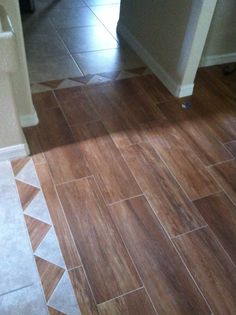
38	209
126	75
49	249
28	174
98	79
37	88
63	298
68	83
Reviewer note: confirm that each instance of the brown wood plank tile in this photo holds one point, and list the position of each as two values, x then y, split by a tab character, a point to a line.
180	159
212	269
220	214
134	303
196	132
52	311
83	292
37	230
225	175
63	155
50	275
106	262
44	101
124	132
66	241
106	163
26	193
168	200
154	88
166	279
76	106
216	110
32	137
231	146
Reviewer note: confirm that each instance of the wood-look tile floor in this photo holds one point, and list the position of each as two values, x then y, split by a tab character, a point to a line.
142	194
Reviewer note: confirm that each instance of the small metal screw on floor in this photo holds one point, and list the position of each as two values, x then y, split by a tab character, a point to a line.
186	105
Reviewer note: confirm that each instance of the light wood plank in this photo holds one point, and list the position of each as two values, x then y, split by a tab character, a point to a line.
168	200
166	279
106	163
180	159
105	259
212	269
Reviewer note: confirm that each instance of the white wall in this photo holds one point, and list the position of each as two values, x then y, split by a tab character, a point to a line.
221	41
15	97
169	36
20	79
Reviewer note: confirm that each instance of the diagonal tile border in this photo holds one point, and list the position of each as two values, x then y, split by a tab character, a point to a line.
89	79
37	230
62	302
52	311
17	165
50	275
26	193
49	249
28	174
38	209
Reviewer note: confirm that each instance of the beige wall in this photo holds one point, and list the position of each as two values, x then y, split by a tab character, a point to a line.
169	31
221	39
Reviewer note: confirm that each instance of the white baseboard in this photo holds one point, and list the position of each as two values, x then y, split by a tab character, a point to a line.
217	60
176	89
14	152
29	120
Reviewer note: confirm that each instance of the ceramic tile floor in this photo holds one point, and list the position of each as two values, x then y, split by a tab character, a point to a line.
68	38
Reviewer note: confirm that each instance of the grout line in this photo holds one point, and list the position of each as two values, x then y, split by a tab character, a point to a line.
175	248
126	248
73	180
219	163
122	200
188	232
182	260
122	295
18	289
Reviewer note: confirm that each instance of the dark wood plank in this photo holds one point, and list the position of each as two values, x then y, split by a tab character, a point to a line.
63	155
168	200
83	292
105	259
166	279
44	101
225	175
180	159
36	151
211	268
220	214
106	163
231	146
76	105
215	109
196	133
134	303
50	275
66	241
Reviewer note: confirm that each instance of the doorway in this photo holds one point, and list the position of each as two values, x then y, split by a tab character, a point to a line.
75	39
